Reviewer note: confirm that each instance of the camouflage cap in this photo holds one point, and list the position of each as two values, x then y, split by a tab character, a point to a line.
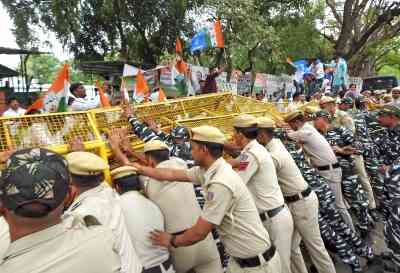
34	177
322	114
390	110
347	100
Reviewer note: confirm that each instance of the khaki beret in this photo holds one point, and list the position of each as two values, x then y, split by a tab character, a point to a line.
293	115
264	122
326	99
244	121
122	172
208	134
84	163
154	145
311	109
390	110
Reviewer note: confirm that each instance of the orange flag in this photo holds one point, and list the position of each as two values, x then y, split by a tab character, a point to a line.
219	37
178	46
181	66
141	84
103	97
161	95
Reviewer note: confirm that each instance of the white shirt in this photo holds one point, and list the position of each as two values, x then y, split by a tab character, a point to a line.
141	217
12	113
83	104
318	70
4	237
103	203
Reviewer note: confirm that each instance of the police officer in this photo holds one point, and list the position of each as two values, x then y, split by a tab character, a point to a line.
337	235
35	185
177	202
301	200
255	167
321	157
339	117
179	146
97	199
141	215
341	139
229	207
392	225
4	236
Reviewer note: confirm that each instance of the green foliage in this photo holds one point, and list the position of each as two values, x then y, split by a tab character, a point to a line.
45	69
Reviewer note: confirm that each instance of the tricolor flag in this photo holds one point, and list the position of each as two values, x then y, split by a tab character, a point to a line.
210	36
55	99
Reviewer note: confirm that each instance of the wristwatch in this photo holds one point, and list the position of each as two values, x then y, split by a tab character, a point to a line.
172	241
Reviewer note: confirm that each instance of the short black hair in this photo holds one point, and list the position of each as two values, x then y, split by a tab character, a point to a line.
128	183
216	150
352	84
249	132
270	131
295	95
87	180
159	155
11	98
75	86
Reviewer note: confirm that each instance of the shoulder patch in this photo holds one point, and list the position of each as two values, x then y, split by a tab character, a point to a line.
210	196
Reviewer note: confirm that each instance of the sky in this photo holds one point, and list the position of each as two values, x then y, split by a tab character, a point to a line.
7	39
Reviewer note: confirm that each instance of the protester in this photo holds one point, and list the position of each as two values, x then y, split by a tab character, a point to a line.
340	75
14	109
352	92
210	84
79	101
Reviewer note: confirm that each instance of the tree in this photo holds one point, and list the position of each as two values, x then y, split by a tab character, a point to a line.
43	67
359	26
134	30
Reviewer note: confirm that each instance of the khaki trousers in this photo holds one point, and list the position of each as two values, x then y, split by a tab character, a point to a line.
202	257
334	178
272	266
280	229
364	179
306	228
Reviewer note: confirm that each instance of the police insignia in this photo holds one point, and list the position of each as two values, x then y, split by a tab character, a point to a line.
210	196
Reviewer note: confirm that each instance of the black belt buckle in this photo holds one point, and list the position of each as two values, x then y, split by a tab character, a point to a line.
327	167
271	213
255	261
158	269
297	197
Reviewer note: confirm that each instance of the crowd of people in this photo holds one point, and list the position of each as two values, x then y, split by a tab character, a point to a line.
316	182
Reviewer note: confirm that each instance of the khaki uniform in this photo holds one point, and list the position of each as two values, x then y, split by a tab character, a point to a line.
4	236
304	211
177	202
258	173
321	154
230	206
58	249
102	202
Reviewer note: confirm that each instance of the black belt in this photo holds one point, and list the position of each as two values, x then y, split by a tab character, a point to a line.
299	196
157	269
271	213
327	167
179	232
255	261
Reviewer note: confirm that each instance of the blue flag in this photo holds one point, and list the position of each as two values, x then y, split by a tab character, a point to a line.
199	42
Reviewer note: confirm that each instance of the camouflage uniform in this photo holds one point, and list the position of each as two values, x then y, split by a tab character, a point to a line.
352	190
392	226
337	235
182	151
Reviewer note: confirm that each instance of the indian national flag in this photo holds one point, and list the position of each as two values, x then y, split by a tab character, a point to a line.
208	37
55	99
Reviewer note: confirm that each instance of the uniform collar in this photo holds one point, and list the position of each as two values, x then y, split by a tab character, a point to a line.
86	194
28	242
249	145
271	143
213	168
